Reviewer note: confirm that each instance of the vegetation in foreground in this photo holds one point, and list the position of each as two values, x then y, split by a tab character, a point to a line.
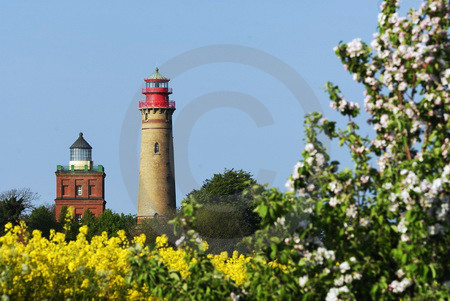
377	231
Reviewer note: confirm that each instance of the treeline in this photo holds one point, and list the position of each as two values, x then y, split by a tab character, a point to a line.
225	218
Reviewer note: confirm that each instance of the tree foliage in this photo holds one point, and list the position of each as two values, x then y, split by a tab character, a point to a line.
42	218
110	222
226	214
377	230
14	203
27	196
226	187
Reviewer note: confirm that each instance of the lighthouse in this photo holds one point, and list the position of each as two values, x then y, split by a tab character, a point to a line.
81	184
157	172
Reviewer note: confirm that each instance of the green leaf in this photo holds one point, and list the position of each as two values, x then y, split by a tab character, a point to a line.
262	210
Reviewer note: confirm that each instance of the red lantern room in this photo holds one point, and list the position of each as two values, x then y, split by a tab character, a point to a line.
157	92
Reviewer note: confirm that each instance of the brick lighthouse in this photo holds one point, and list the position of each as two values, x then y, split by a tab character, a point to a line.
81	184
157	172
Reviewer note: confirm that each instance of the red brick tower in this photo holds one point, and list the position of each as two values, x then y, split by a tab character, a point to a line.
81	184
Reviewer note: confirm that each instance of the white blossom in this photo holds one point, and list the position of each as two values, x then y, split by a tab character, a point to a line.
402	86
302	280
289	184
333	201
399	287
404	237
295	174
435	229
442	213
309	147
320	159
179	241
344	267
364	179
384	120
339	281
400	273
334	292
351	211
354	48
401	227
364	222
387	186
335	187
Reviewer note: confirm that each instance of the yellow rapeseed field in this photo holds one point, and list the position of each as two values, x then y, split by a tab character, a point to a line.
34	267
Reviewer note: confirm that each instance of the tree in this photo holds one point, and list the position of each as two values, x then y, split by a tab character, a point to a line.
14	203
377	230
380	231
27	196
68	223
109	222
42	218
226	187
227	214
10	210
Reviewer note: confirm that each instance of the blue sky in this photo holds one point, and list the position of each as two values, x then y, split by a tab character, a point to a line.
68	67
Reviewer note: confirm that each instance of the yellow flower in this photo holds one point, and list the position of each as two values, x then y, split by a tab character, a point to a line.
162	241
84	230
85	283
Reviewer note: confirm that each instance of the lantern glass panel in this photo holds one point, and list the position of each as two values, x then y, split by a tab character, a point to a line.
79	154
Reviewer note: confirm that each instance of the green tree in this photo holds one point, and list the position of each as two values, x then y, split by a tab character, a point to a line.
381	229
42	218
226	187
111	222
69	225
226	215
27	196
89	220
10	210
14	203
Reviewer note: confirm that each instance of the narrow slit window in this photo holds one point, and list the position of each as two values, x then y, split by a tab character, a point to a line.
156	148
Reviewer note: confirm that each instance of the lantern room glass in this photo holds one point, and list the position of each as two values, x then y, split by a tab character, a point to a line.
80	154
157	84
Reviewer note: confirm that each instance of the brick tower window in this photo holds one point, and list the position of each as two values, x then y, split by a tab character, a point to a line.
156	148
64	190
79	190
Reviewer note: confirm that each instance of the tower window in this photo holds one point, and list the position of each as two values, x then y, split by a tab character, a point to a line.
91	190
79	190
64	190
146	116
156	148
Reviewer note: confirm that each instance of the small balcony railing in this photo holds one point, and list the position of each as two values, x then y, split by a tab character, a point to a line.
143	104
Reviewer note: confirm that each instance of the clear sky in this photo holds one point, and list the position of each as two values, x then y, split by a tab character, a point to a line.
71	66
